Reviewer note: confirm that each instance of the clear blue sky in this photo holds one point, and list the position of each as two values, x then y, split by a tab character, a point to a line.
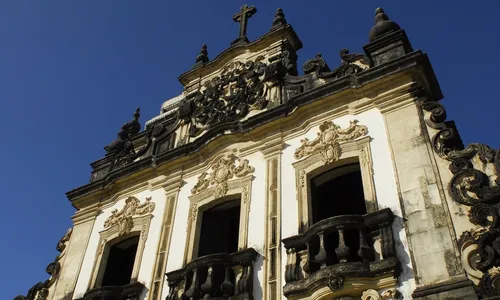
72	72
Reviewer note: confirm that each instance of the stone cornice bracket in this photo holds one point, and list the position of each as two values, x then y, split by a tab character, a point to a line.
223	169
327	144
124	218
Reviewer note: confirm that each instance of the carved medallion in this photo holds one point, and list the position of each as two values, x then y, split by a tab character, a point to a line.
222	170
335	281
124	217
327	144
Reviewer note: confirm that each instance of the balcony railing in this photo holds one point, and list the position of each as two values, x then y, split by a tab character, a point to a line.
126	292
347	246
215	276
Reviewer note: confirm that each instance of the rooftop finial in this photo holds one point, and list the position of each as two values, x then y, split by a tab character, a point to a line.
279	19
202	58
382	25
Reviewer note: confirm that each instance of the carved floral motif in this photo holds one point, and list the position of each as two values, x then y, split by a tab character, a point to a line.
222	170
389	294
327	144
124	218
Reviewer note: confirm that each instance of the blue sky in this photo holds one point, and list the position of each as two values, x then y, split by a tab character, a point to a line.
72	72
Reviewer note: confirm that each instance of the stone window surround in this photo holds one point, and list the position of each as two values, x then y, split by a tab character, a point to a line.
110	237
311	166
200	202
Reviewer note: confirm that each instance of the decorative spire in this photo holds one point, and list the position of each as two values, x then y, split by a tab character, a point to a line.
382	25
202	58
279	19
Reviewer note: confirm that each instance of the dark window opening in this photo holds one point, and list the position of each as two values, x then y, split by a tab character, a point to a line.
334	193
337	192
120	262
220	229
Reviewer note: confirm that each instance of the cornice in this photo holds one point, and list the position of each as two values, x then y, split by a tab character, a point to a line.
415	64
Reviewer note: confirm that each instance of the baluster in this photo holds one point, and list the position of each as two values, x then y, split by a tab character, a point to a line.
227	286
172	294
322	255
365	251
245	284
194	292
291	266
342	250
388	249
307	265
207	287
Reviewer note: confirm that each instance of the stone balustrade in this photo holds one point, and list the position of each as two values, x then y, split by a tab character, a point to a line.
215	276
342	246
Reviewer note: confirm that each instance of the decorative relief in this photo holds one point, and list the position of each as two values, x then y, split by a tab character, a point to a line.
245	196
390	294
480	247
40	291
327	144
124	218
240	88
351	64
222	170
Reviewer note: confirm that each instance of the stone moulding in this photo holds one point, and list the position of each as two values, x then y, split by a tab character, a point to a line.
327	144
124	218
222	170
388	294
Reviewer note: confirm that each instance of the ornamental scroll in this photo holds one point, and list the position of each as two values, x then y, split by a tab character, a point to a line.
327	144
124	218
222	170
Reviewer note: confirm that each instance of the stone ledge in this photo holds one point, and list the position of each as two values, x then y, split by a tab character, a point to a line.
461	288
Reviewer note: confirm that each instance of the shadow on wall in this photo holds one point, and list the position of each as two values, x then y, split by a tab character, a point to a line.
404	259
257	287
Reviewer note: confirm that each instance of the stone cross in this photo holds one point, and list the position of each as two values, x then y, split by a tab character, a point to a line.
242	18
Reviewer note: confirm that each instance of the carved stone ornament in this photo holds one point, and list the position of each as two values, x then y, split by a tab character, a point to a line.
350	64
124	218
335	282
40	291
222	170
327	144
480	247
390	294
240	88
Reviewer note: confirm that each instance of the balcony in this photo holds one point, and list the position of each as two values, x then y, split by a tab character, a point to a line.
337	250
127	292
215	276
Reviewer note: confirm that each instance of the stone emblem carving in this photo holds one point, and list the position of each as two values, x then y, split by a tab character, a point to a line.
327	144
239	89
335	281
223	169
124	218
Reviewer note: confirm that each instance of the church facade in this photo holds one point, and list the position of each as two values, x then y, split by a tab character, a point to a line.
346	182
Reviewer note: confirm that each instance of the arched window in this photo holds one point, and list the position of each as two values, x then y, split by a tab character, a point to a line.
120	262
220	229
336	192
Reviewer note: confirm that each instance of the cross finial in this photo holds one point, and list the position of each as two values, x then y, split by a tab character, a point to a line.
242	17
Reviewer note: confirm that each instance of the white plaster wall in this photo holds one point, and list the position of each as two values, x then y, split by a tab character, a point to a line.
384	181
150	249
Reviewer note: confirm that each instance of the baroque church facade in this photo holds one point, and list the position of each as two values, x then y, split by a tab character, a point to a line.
346	182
